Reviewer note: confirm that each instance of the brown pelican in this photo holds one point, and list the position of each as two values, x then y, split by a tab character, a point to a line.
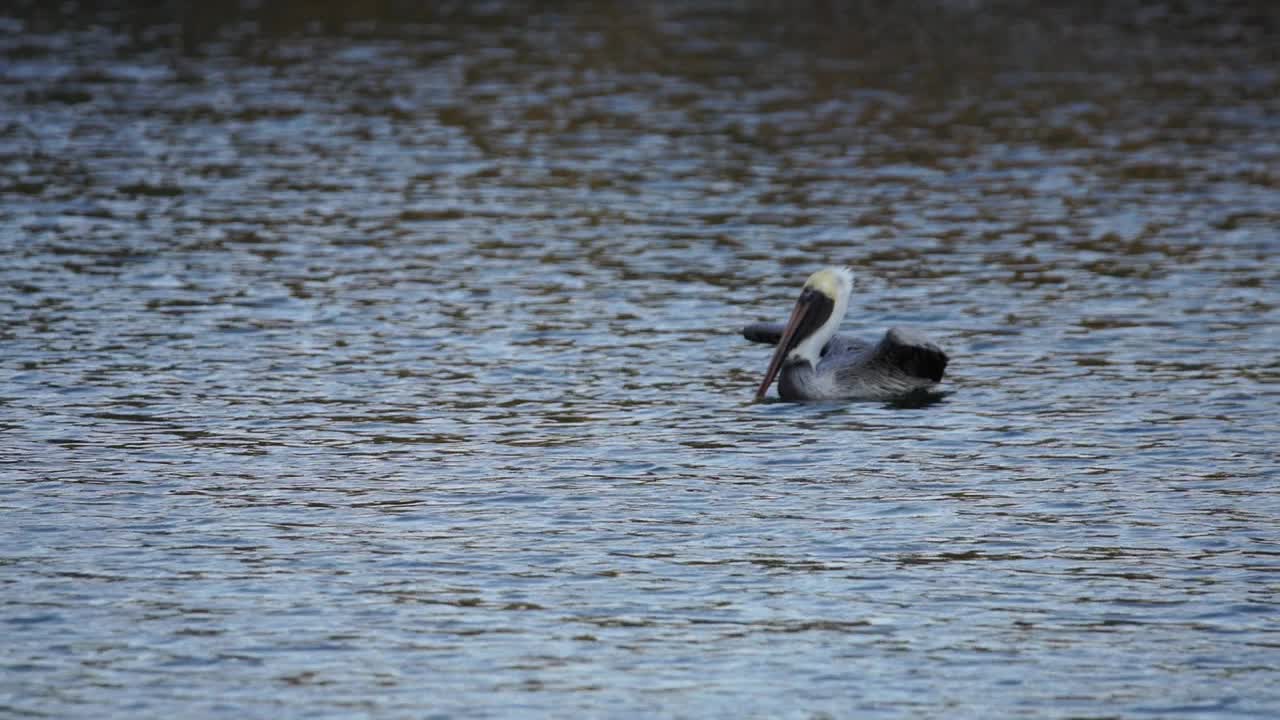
818	364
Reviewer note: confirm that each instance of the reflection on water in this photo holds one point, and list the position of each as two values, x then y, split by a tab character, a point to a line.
388	362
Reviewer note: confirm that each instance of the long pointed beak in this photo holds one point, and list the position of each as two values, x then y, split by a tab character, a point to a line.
785	343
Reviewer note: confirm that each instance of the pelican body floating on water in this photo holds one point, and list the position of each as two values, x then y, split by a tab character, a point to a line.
812	362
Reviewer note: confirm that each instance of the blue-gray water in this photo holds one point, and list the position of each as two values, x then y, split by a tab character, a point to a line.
387	366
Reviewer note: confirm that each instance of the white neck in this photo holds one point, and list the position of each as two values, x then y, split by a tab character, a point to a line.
811	347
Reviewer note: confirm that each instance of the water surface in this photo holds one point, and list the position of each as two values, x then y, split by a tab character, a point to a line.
386	364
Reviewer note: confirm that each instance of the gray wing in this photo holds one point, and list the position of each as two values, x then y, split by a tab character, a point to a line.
902	361
912	354
763	332
770	333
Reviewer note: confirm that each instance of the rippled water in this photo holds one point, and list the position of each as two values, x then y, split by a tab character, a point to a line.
387	365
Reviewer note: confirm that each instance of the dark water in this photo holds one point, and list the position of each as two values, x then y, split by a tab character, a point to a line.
385	364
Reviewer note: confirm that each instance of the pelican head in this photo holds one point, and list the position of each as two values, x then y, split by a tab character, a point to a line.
816	317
